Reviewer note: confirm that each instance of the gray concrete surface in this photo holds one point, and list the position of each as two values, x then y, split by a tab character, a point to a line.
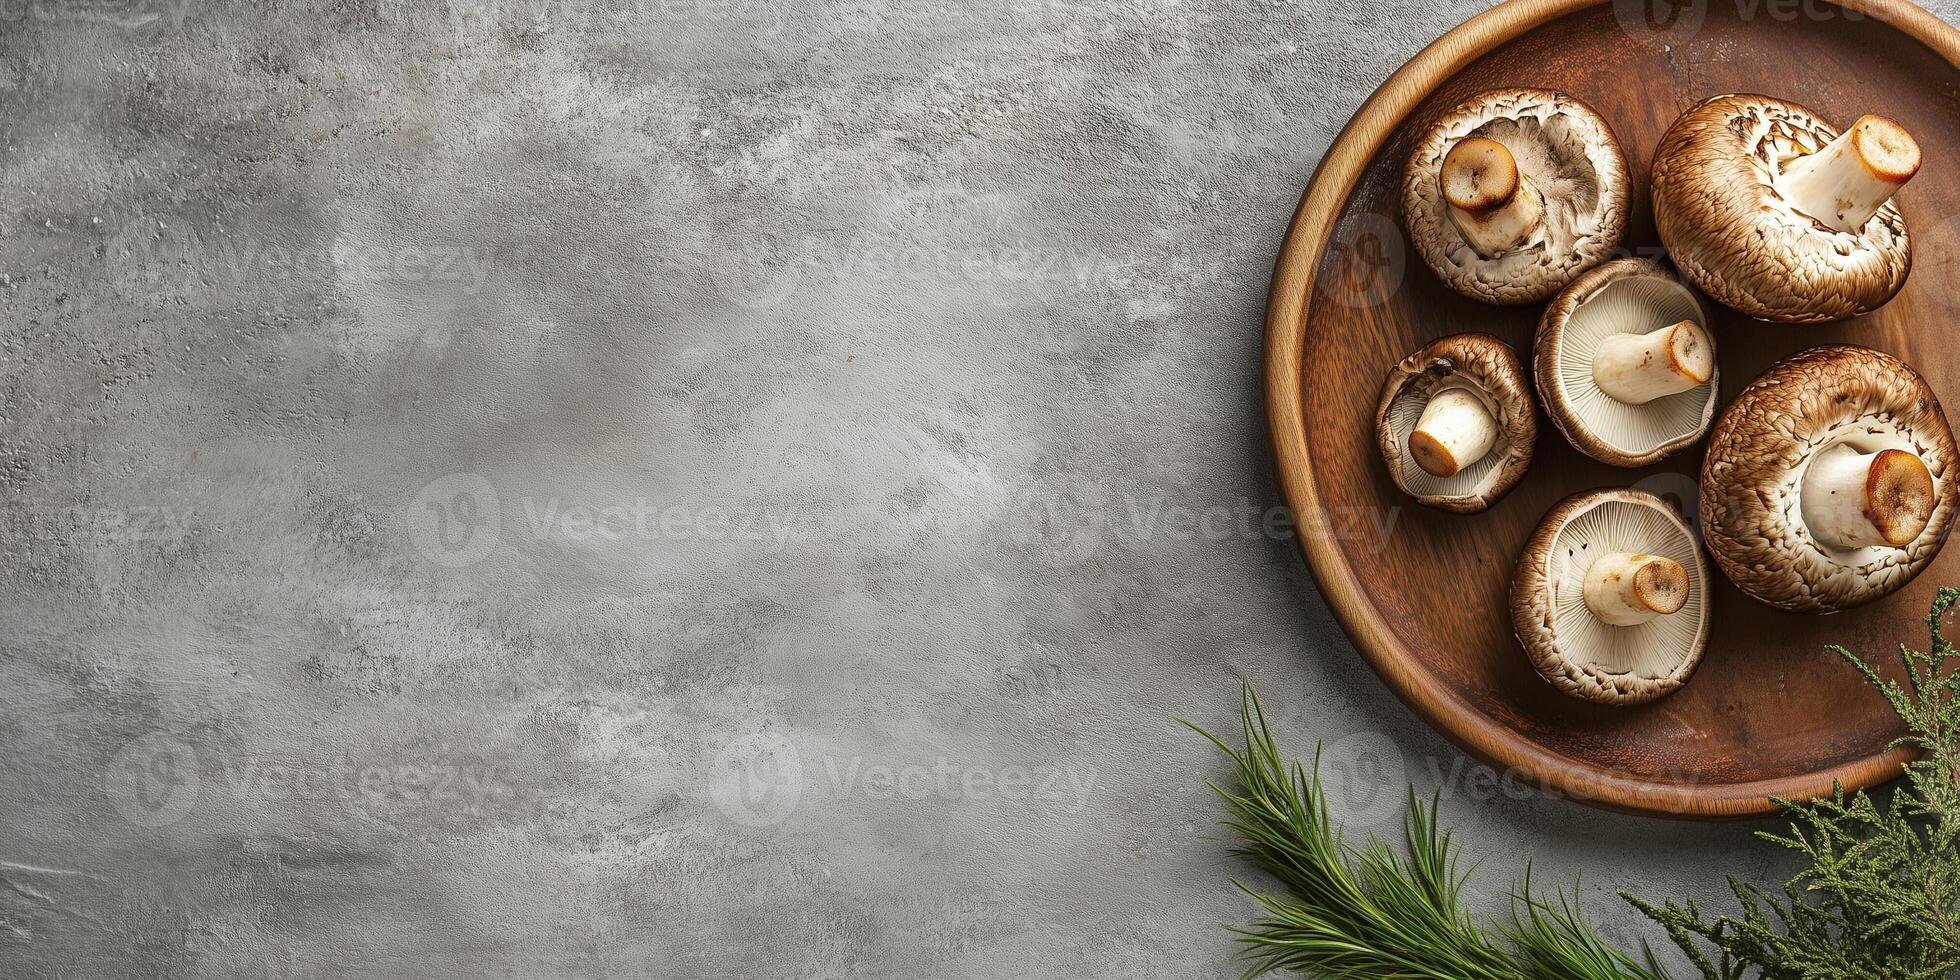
670	488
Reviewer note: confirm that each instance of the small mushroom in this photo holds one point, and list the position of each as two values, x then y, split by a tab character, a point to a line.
1828	481
1625	364
1773	212
1610	598
1513	193
1456	424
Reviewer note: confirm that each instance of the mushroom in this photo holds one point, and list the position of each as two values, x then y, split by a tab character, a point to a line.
1826	482
1610	598
1513	193
1625	365
1771	211
1456	424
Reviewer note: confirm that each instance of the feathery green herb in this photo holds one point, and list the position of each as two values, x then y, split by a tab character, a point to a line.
1880	898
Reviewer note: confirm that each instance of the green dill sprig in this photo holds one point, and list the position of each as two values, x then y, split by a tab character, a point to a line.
1355	911
1881	895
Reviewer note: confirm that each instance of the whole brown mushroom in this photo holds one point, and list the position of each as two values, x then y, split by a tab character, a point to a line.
1511	194
1771	211
1455	422
1828	482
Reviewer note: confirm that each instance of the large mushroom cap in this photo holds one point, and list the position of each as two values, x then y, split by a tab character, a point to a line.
1625	364
1546	152
1595	556
1736	219
1481	377
1824	441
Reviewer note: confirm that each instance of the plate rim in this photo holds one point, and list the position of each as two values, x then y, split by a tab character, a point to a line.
1321	205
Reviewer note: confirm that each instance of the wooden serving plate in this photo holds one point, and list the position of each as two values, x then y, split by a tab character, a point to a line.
1769	713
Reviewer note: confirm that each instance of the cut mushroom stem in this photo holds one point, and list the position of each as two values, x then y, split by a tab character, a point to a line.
1854	499
1636	368
1456	429
1490	202
1846	182
1625	589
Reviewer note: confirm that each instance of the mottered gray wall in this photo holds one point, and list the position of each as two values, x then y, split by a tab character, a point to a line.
672	488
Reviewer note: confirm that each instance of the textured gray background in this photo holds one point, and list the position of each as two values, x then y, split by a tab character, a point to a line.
671	488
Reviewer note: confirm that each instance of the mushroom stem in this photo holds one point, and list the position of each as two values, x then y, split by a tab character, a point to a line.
1456	429
1846	182
1490	202
1853	499
1628	589
1636	368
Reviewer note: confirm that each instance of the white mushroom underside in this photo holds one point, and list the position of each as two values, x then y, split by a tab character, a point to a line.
1636	304
1403	415
1655	649
1819	562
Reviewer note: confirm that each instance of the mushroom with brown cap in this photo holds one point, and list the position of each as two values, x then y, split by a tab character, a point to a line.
1771	211
1610	598
1625	364
1828	482
1456	424
1513	193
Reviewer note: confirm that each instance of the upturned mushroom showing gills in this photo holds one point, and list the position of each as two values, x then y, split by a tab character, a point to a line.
1610	598
1510	195
1625	364
1828	482
1455	422
1771	211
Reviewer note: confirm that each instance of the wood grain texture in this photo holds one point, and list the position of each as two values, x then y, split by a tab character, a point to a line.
1770	713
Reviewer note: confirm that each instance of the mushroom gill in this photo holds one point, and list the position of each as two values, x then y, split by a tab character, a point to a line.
1624	365
1455	422
1610	597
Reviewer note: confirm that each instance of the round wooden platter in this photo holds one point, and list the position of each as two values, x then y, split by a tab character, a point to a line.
1423	593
